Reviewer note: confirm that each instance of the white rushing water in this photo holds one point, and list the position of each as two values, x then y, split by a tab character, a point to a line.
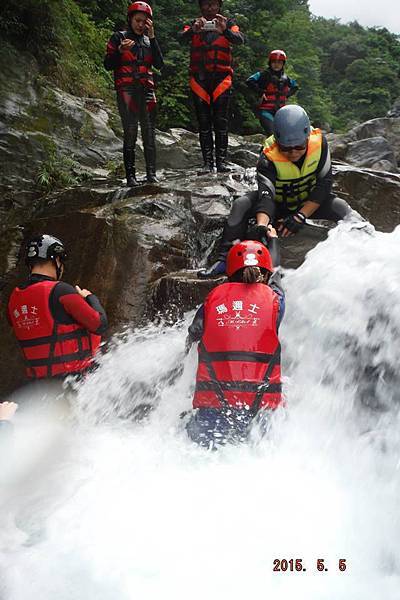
116	509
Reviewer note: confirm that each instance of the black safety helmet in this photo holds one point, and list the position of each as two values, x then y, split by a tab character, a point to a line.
45	247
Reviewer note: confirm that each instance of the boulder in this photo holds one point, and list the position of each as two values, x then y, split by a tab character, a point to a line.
375	195
373	153
388	128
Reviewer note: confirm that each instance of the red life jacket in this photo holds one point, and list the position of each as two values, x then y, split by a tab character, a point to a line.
275	94
211	56
50	349
239	353
135	65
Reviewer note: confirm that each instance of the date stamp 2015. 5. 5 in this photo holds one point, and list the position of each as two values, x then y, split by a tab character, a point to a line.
294	565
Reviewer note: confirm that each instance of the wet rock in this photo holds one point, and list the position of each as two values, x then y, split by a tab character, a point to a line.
176	293
139	248
375	195
388	128
344	146
373	153
338	144
394	112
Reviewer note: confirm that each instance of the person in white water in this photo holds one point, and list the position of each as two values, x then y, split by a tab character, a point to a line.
239	372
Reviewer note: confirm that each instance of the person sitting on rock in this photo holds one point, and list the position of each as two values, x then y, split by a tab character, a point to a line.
211	37
131	54
58	327
239	375
294	176
275	86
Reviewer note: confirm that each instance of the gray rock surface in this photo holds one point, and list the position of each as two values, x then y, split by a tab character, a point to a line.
374	153
139	248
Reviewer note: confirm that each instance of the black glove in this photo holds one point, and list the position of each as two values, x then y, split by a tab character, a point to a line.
294	224
258	233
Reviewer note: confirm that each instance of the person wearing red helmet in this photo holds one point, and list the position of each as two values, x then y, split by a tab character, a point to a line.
239	371
275	86
131	54
211	37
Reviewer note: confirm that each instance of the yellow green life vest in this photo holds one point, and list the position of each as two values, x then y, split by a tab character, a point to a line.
293	185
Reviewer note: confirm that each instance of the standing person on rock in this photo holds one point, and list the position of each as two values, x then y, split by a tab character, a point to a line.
211	38
239	374
275	86
294	176
131	54
58	327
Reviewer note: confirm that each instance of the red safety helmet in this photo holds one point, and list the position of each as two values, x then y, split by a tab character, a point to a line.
248	254
277	55
140	7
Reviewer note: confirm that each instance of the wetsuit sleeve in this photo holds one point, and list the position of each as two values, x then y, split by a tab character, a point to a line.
253	81
323	188
113	56
88	311
233	33
276	277
294	88
275	251
275	285
266	178
158	59
185	35
196	329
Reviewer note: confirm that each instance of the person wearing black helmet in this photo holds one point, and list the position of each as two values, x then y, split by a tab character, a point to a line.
58	327
294	176
131	54
275	86
211	38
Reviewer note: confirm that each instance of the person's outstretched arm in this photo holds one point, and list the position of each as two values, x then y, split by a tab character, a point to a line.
196	328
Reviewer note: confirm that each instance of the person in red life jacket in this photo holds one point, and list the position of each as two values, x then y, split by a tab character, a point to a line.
58	327
239	371
131	54
294	177
211	38
275	86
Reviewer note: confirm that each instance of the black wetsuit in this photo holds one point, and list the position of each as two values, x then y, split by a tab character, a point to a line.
135	93
211	84
331	208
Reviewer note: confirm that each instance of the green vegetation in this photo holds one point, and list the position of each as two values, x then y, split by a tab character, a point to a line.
347	73
58	171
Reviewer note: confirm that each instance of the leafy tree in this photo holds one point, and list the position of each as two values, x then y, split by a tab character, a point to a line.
346	73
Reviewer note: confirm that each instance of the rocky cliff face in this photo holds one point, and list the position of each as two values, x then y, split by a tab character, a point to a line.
139	249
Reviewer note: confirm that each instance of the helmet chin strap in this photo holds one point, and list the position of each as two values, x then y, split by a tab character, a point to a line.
58	269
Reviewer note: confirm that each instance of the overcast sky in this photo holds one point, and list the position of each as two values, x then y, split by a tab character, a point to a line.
370	13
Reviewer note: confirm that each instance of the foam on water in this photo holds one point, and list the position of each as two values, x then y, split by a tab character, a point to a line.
115	508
